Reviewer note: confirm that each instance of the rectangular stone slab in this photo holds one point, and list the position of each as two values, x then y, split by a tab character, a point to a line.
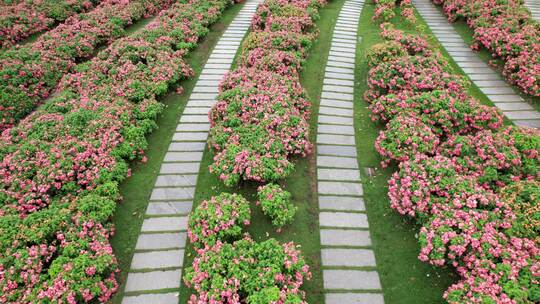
335	129
183	156
157	259
343	220
332	139
169	208
338	174
186	146
340	188
165	224
154	280
336	150
179	180
354	298
337	162
351	279
161	240
341	237
180	168
154	298
341	203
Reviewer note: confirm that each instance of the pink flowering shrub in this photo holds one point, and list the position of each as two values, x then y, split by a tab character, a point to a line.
260	119
248	272
29	74
470	184
508	31
276	204
60	166
219	219
385	10
24	18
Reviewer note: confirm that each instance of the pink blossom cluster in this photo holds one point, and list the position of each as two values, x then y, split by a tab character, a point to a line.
60	166
508	31
261	117
385	10
454	159
30	73
23	18
248	272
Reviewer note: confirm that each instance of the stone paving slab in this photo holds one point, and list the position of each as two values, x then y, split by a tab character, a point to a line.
169	208
164	224
336	150
336	88
338	174
336	95
155	280
180	168
340	237
156	298
335	129
333	139
518	115
196	110
528	123
513	106
342	203
338	120
348	257
194	118
157	259
354	298
505	98
336	56
193	127
351	279
336	103
335	111
337	162
190	136
186	146
158	241
180	180
343	220
183	156
340	188
178	193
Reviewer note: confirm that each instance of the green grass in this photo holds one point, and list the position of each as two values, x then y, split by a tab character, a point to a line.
466	33
301	184
136	190
404	278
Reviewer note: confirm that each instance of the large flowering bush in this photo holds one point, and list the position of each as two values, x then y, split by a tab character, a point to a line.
61	165
30	73
508	31
472	186
260	119
248	272
21	19
276	204
219	219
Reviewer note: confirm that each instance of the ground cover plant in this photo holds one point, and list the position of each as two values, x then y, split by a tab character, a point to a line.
20	19
30	73
62	164
508	31
263	87
457	169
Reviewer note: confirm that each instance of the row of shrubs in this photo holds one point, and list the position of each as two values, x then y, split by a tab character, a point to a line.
472	184
30	73
257	124
508	31
60	166
20	19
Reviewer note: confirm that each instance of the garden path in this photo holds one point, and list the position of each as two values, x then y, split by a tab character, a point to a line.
349	268
534	7
484	77
156	268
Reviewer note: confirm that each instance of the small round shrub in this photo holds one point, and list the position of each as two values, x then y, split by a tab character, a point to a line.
276	204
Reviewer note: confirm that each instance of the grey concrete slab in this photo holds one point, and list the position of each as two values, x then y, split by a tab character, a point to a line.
169	208
497	91
518	115
190	136
337	162
154	280
335	129
334	139
179	180
157	259
338	174
341	203
154	298
180	168
339	70
194	118
340	64
343	220
338	88
513	106
340	188
339	96
351	279
348	257
192	127
156	241
183	157
336	150
186	146
156	224
341	237
172	194
337	120
505	98
334	103
354	298
191	110
336	111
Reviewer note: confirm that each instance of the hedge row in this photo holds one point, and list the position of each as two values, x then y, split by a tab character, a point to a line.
62	164
261	117
30	73
20	19
508	31
459	171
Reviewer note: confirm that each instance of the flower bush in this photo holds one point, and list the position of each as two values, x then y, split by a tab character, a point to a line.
60	166
260	118
29	74
248	272
276	204
508	31
470	184
24	18
219	219
385	10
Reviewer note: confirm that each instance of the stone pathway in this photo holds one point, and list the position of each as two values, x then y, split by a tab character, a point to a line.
484	77
156	267
349	268
534	7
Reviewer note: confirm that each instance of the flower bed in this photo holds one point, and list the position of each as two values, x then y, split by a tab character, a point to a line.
21	19
470	183
62	164
30	73
260	119
507	30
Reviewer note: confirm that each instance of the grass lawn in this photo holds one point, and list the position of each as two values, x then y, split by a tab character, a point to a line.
404	278
136	190
467	34
302	183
